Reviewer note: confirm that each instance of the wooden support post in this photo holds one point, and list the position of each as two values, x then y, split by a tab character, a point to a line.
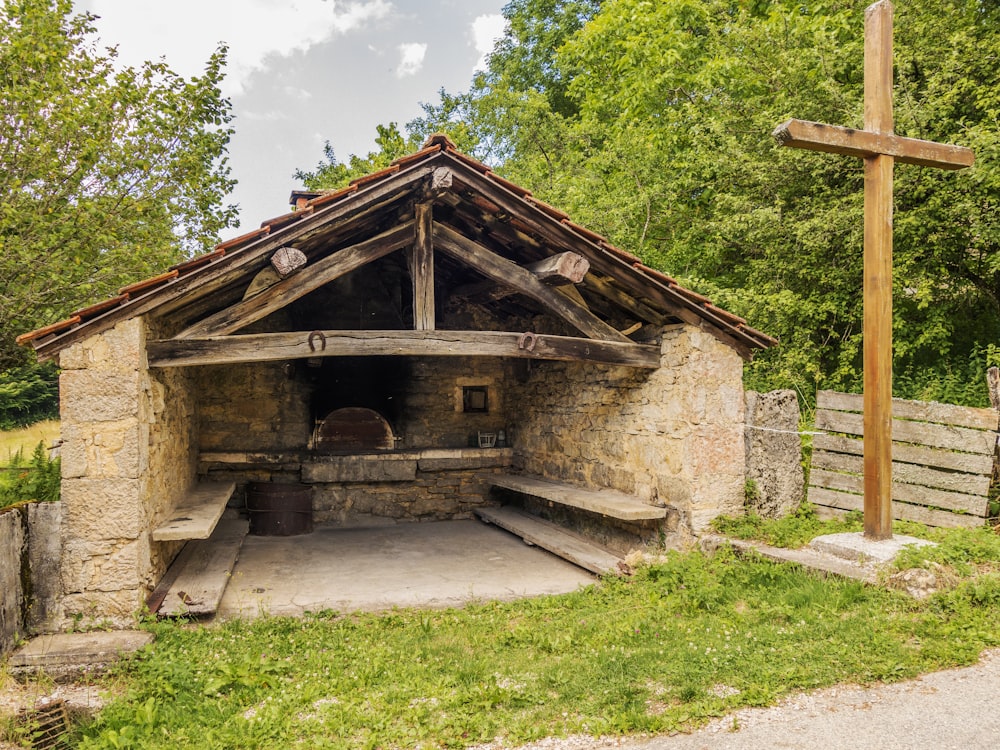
422	268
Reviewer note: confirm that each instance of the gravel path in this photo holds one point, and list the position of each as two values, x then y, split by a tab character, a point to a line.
956	708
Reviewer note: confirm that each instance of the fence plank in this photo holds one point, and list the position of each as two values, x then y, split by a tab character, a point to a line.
919	433
970	463
905	493
970	484
930	517
920	411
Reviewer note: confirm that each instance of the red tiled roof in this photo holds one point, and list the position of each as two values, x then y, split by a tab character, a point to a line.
437	143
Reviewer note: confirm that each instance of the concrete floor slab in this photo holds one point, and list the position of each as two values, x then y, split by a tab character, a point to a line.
439	564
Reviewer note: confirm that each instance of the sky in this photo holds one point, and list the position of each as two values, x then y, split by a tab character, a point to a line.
303	72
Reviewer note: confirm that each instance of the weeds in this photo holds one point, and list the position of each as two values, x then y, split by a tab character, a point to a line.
689	638
793	530
37	478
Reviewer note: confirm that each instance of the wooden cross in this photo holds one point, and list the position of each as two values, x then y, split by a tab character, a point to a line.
879	148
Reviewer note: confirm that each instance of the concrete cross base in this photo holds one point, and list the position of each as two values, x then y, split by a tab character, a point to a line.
855	547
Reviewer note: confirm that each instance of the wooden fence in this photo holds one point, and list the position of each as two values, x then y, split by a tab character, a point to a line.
942	460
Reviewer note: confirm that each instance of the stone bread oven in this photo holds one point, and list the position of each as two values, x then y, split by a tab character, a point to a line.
437	301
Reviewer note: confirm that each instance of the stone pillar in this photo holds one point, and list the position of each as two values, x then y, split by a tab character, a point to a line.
104	461
775	477
701	402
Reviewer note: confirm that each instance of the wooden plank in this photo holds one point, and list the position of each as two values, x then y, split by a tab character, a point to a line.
288	290
606	502
833	139
511	274
918	411
904	493
970	463
422	267
205	567
906	473
295	345
918	433
553	538
826	500
196	515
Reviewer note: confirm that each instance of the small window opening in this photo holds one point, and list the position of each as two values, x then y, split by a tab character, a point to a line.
475	399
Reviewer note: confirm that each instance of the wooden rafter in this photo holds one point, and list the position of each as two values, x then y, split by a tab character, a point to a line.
264	347
510	274
284	292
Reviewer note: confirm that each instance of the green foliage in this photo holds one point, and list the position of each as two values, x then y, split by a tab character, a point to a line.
106	175
684	640
650	122
28	394
34	479
331	173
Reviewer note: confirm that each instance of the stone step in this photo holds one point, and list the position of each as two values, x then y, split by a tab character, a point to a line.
812	559
553	538
65	656
606	502
201	571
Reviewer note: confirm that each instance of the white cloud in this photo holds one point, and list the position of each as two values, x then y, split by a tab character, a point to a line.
486	30
411	59
186	32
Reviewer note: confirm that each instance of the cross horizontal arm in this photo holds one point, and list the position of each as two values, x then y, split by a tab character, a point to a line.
833	139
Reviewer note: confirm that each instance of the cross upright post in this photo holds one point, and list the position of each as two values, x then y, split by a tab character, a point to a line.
880	149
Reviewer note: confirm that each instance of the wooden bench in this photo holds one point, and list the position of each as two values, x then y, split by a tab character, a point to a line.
605	502
196	515
942	460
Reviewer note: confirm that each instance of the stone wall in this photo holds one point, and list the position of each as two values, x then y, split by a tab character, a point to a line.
775	477
127	457
30	540
673	437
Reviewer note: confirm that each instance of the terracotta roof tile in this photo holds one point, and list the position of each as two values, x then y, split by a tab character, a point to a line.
375	176
729	317
24	338
512	187
243	239
197	262
659	275
332	196
584	232
552	211
146	284
285	219
693	296
623	254
94	310
468	160
404	161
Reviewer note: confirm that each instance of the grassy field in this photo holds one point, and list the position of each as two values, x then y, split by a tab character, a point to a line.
686	639
25	439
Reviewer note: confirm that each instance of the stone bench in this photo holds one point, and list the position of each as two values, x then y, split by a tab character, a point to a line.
605	502
197	513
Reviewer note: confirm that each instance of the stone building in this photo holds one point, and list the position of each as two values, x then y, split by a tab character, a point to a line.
425	342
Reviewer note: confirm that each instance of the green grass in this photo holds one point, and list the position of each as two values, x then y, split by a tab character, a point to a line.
24	439
684	640
792	531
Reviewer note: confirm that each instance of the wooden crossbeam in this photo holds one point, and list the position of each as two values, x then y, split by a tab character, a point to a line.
833	139
263	347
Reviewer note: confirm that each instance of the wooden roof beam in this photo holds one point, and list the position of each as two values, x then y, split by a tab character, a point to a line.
509	273
263	347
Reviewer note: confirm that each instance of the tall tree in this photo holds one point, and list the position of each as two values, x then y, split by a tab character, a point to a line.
650	122
106	173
